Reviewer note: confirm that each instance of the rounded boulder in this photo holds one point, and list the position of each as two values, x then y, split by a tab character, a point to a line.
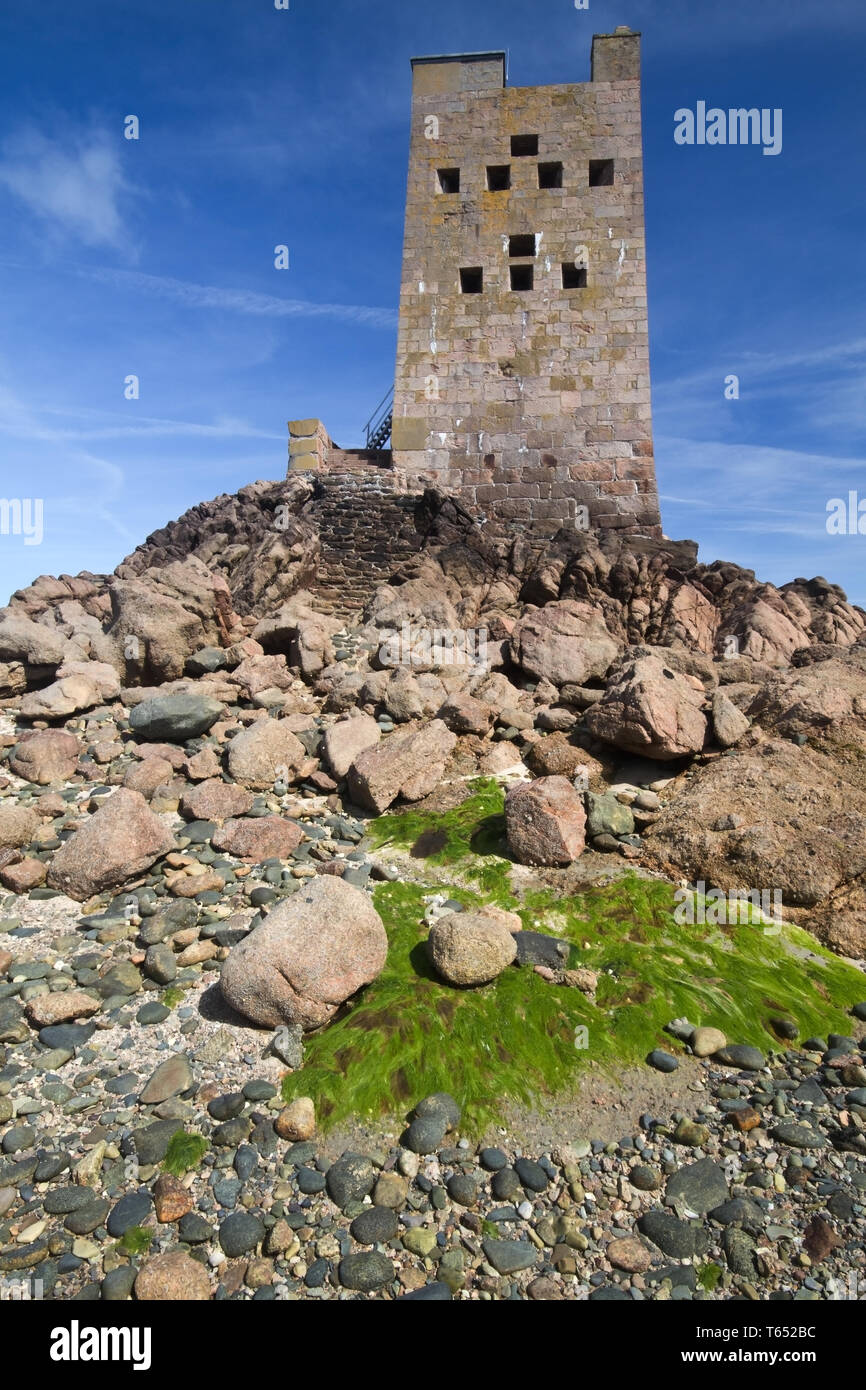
470	948
312	952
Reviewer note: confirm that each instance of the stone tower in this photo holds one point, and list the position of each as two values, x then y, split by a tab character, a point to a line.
522	378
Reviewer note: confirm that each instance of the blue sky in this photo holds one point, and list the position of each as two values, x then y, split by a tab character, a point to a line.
260	127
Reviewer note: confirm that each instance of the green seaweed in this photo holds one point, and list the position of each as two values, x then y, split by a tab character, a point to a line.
709	1275
185	1151
408	1033
136	1240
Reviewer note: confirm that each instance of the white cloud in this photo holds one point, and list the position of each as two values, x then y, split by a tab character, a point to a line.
195	296
77	186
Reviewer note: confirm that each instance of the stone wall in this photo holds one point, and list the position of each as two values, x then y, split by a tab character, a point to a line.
530	403
365	518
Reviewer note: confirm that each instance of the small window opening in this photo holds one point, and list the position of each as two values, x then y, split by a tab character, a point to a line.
573	277
522	277
550	176
522	245
449	180
471	280
498	177
600	173
524	145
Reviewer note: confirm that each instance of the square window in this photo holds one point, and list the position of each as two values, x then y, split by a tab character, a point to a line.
522	277
498	177
600	173
522	245
550	176
449	180
524	145
472	280
573	276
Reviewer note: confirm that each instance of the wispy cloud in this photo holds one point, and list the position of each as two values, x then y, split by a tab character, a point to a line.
77	185
195	296
104	426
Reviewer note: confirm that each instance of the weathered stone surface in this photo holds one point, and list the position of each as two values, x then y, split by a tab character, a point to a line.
729	723
259	838
62	698
557	756
313	951
172	1278
35	644
116	843
463	714
407	764
470	948
174	718
147	775
48	1009
347	739
298	1121
792	824
215	800
46	757
171	1199
545	821
171	1078
18	825
264	753
650	710
565	642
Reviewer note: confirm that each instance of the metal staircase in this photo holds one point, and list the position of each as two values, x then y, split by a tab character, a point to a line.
378	427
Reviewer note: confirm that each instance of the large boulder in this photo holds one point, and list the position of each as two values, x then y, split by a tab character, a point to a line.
463	714
312	952
408	764
18	825
545	821
33	644
650	710
165	614
259	673
117	843
566	643
347	739
46	757
214	800
825	701
773	818
174	718
64	697
470	948
258	838
264	753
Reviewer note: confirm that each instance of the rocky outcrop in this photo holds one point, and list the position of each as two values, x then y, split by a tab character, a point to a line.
409	764
565	642
771	818
650	710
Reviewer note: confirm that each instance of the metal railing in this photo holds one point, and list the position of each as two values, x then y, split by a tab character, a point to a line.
378	428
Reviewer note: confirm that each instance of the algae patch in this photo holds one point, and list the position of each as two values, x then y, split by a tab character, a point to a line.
408	1034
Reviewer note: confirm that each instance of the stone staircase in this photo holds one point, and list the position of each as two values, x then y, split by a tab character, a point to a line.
365	519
